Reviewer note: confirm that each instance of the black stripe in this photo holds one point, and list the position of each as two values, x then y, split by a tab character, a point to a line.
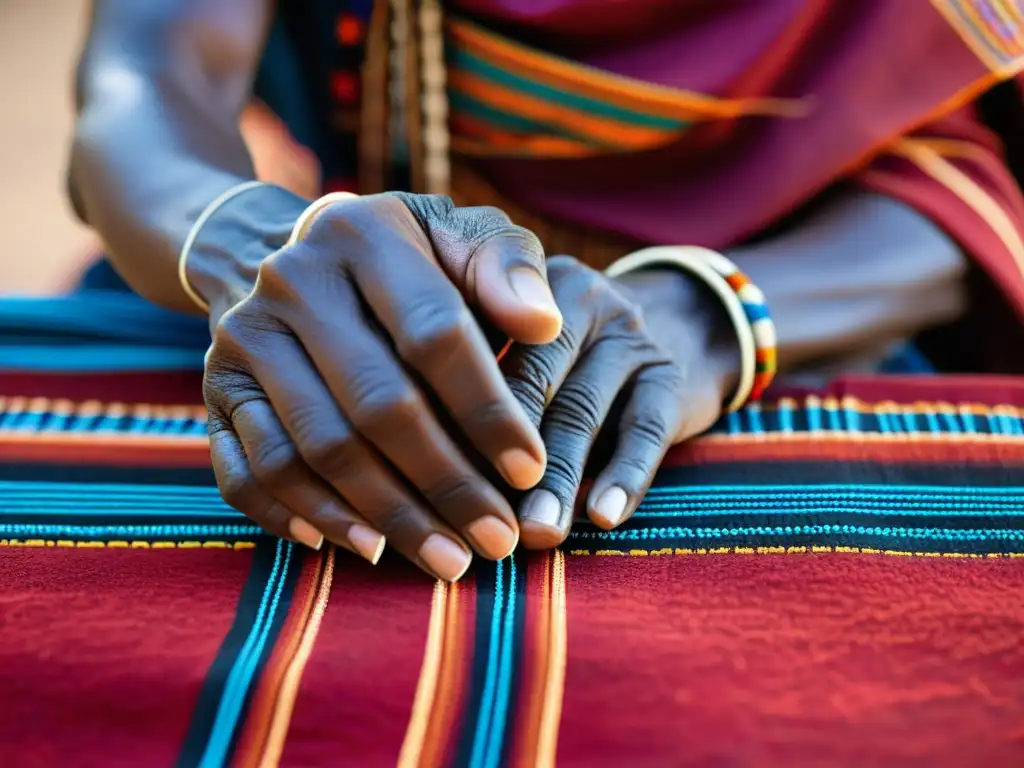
839	472
210	694
485	576
86	473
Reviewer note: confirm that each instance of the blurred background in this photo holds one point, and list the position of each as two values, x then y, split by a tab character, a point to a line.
39	41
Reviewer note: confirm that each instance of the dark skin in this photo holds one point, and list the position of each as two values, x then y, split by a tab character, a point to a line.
351	386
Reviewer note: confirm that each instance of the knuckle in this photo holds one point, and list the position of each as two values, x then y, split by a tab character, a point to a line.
649	425
577	410
231	336
489	413
335	459
395	520
433	333
428	210
628	318
533	380
449	492
274	463
562	477
531	394
236	488
386	409
280	272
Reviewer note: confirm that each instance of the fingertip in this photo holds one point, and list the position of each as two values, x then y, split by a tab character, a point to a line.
608	510
518	301
520	469
542	521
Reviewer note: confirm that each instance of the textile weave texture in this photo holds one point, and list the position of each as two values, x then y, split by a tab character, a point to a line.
831	578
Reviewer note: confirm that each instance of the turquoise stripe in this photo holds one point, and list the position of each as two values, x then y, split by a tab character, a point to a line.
490	676
460	102
883	491
473	64
12	486
127	532
504	693
937	534
126	508
240	677
101	358
770	507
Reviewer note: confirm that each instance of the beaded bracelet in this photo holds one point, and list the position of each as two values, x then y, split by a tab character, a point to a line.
744	303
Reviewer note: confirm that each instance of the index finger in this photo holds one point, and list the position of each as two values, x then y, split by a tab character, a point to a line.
435	334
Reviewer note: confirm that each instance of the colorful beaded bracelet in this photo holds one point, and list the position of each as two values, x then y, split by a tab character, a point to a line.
744	303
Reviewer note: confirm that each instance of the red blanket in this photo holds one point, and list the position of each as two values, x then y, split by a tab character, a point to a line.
826	580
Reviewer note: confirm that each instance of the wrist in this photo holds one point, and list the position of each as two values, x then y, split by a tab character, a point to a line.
689	320
226	252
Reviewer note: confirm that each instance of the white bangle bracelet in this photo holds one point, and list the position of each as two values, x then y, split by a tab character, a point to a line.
697	261
193	233
308	216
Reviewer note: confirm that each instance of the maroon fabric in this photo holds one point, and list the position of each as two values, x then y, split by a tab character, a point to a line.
359	684
103	651
793	660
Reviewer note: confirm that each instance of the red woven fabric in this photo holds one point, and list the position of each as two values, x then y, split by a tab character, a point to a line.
103	652
794	660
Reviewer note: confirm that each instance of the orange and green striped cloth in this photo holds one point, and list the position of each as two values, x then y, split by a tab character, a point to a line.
509	99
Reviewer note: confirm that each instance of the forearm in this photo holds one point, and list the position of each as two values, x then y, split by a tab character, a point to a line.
157	135
863	273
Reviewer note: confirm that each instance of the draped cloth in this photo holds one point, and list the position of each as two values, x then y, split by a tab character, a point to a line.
833	578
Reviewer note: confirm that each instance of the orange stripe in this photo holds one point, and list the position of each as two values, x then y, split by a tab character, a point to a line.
457	656
533	711
1010	15
969	36
480	139
278	730
968	190
612	89
427	687
133	439
737	280
108	452
253	738
554	688
605	130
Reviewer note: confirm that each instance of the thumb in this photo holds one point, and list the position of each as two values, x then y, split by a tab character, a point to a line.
498	266
507	281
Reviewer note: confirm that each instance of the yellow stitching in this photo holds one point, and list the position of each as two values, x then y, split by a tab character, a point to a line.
839	550
25	543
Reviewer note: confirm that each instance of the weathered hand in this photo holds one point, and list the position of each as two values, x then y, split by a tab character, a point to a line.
320	382
646	360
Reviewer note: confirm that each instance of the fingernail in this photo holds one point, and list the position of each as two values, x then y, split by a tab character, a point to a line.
539	516
367	542
532	289
610	508
492	537
520	469
444	557
304	533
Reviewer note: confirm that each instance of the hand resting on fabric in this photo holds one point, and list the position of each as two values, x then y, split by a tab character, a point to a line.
321	381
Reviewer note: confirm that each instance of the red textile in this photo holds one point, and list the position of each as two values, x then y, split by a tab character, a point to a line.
794	660
103	652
